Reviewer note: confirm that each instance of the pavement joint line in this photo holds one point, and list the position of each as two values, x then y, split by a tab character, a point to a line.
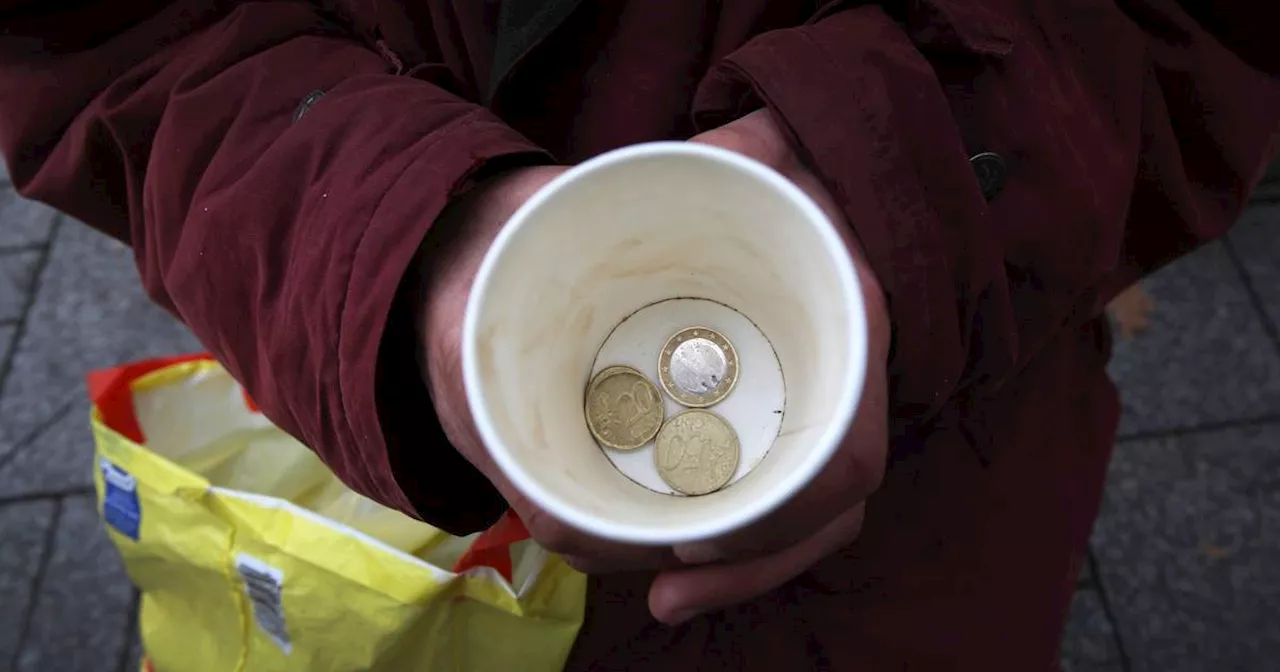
46	553
38	430
1125	664
1255	299
80	491
1091	581
130	632
1265	194
1241	423
20	330
10	250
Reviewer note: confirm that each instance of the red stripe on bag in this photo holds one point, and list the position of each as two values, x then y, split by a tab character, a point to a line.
249	402
110	391
493	547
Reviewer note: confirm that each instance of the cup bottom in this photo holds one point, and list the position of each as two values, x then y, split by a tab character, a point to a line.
755	408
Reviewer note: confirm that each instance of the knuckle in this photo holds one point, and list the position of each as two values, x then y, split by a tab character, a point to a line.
551	534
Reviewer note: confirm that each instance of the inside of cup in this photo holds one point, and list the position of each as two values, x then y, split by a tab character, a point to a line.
626	234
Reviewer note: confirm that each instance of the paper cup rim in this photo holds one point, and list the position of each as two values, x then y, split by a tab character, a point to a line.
793	482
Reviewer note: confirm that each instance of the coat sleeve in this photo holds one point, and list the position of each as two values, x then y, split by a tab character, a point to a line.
275	178
863	104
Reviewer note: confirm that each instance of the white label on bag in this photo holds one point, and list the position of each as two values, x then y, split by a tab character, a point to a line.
264	585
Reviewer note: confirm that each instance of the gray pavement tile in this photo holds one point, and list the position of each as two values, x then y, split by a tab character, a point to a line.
23	532
17	278
58	458
1205	358
82	608
1089	641
6	340
1256	242
1269	187
90	311
1188	547
23	221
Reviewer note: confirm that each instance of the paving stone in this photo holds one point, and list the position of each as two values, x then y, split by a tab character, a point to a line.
23	531
1205	357
1188	547
1256	242
57	459
1089	641
1269	188
90	311
22	221
17	276
81	615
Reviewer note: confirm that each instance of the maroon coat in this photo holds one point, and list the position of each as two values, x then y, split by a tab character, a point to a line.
280	224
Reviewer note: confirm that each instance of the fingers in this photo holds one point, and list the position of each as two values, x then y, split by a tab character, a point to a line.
676	596
853	473
756	136
857	468
584	552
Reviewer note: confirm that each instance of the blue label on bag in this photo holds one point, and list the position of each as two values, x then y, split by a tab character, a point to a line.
120	500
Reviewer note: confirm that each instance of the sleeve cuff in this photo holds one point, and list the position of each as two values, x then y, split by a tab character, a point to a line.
399	444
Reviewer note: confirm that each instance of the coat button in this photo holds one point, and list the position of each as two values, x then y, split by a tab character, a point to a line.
990	170
305	105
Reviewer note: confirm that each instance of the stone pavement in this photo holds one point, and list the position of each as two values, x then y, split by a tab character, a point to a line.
1185	569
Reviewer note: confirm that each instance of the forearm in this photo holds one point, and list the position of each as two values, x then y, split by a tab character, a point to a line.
888	110
283	243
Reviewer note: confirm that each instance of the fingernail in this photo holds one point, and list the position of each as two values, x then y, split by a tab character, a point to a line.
681	616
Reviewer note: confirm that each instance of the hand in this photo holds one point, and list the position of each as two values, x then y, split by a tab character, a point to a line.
827	515
729	570
457	244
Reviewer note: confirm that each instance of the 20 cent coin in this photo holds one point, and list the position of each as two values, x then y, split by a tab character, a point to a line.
624	409
697	452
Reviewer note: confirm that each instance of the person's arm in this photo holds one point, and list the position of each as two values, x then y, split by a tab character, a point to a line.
863	106
280	224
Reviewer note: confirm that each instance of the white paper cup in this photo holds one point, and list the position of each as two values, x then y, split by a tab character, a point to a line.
620	232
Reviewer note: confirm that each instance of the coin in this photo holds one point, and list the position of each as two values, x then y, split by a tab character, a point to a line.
698	367
697	452
624	409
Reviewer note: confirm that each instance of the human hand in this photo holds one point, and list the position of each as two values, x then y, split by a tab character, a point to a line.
827	515
824	517
456	247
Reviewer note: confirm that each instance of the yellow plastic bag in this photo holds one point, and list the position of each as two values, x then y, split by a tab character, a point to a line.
251	555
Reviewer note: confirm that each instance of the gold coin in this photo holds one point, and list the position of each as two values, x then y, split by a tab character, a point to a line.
697	452
624	409
698	367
